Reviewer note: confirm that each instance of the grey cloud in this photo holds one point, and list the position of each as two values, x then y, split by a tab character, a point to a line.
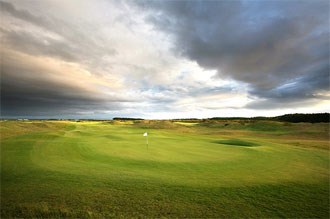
309	85
271	104
34	45
212	91
167	98
262	43
299	92
78	43
22	14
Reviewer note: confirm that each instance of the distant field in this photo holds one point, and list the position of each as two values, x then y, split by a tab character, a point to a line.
200	169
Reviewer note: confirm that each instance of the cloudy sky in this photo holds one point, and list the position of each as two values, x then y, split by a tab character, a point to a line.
163	59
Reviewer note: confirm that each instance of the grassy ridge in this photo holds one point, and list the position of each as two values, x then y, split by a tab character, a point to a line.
103	169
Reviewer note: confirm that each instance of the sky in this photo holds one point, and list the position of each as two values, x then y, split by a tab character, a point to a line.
163	59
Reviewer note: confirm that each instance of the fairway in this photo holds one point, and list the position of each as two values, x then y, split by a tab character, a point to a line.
207	169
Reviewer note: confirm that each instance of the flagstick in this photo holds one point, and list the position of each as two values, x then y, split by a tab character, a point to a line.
147	142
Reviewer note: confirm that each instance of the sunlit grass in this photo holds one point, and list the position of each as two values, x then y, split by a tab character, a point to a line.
105	169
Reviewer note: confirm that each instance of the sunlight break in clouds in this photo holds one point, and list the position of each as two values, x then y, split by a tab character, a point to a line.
163	59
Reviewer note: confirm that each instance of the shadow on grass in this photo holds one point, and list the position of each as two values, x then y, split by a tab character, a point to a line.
236	142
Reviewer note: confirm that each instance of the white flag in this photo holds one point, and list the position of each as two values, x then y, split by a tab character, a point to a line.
145	134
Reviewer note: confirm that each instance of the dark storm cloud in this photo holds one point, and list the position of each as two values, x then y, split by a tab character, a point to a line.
29	90
266	44
46	98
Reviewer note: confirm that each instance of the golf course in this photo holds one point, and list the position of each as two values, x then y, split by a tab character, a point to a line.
189	169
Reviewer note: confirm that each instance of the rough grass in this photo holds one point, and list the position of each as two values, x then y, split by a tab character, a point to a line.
105	170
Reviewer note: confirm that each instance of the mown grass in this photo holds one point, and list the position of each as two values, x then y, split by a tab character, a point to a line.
104	169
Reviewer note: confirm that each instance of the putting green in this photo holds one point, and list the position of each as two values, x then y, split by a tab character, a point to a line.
46	165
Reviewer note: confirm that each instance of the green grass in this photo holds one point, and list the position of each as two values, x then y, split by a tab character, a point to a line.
104	169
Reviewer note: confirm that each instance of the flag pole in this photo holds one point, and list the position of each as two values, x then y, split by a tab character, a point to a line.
147	142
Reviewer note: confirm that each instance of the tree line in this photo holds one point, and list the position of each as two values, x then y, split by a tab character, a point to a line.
295	118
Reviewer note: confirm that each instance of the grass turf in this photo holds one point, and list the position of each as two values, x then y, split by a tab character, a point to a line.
104	169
